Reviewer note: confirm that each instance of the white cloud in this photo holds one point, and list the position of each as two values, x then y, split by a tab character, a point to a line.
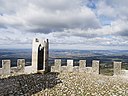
64	22
36	17
104	9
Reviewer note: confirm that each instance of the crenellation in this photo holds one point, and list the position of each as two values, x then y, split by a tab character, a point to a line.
95	66
22	69
76	69
117	68
40	55
64	69
70	65
88	70
21	65
52	69
82	65
70	68
6	67
57	65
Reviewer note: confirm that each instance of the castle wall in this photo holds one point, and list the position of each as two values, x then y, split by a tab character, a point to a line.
28	70
95	66
0	70
88	70
19	69
6	67
22	69
57	65
82	65
21	65
42	45
117	68
70	65
70	68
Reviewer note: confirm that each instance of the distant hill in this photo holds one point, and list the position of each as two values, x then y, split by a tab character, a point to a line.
105	56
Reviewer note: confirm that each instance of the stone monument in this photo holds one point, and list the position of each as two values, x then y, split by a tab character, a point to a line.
40	55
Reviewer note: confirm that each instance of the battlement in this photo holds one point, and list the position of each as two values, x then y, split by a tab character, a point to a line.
8	70
95	69
17	70
39	60
40	53
70	68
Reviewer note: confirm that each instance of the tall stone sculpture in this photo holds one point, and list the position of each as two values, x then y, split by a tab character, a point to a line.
40	55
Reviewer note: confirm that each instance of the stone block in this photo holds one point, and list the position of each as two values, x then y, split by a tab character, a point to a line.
57	64
52	68
64	69
95	66
76	69
21	65
124	72
82	65
6	67
117	68
88	70
70	65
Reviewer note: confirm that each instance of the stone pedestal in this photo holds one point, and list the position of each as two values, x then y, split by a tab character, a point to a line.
70	65
21	65
6	67
95	66
82	65
57	64
117	68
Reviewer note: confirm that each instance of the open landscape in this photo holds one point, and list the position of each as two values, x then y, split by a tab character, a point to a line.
106	57
63	48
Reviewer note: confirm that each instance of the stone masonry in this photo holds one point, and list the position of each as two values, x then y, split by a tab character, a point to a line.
6	67
82	65
70	68
40	53
95	66
117	68
21	65
70	65
57	65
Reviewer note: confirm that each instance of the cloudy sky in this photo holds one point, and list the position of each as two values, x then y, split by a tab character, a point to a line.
68	24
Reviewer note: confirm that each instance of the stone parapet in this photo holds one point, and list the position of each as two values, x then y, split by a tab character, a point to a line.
117	68
6	67
70	68
95	66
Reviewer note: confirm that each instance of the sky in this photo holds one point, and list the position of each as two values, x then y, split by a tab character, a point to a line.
68	24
